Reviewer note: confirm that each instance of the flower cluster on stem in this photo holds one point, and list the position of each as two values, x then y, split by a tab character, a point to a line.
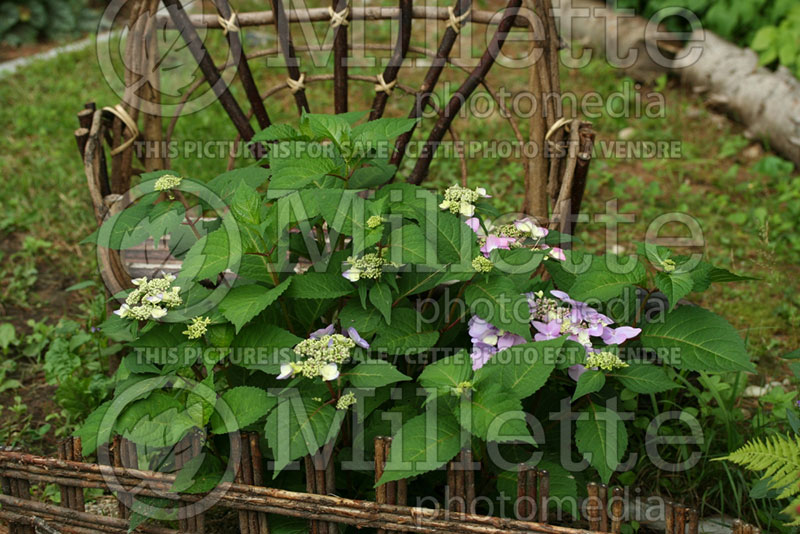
150	299
323	352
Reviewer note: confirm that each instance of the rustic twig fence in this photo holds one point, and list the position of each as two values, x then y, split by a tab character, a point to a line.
605	508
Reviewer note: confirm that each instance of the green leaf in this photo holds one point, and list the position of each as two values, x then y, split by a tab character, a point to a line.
602	283
521	370
453	240
370	134
516	261
292	167
674	285
696	339
644	378
266	343
332	127
764	38
499	302
246	205
423	444
210	255
371	176
374	374
589	382
490	416
278	132
243	303
602	438
92	428
297	427
239	407
364	321
312	285
407	244
448	372
407	334
381	297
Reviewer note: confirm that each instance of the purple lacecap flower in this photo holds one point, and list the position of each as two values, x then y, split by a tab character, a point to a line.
328	330
352	333
488	340
480	329
547	331
615	336
508	340
473	223
481	353
493	242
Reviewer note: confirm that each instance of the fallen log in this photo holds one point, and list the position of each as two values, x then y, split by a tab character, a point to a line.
766	102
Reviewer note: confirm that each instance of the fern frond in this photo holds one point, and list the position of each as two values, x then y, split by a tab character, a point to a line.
778	457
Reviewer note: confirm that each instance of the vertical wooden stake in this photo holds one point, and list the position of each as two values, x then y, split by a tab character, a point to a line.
669	520
617	510
544	494
603	494
593	506
680	519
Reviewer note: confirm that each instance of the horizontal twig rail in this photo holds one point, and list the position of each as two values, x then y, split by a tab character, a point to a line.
269	500
261	18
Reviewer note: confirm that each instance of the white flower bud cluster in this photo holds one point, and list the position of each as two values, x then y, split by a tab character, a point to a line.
607	361
151	299
482	264
345	401
167	182
197	328
368	266
460	200
546	309
375	221
321	352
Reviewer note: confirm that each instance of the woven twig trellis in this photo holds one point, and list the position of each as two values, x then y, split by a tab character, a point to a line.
106	134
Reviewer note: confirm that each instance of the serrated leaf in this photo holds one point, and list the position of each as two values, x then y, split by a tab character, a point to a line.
371	176
243	303
407	335
374	374
674	285
516	261
211	255
312	285
297	427
423	444
448	372
293	168
521	370
365	321
601	282
589	382
239	407
407	244
644	378
381	297
490	416
693	338
602	438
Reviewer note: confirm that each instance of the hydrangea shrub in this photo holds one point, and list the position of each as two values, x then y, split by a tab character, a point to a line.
326	302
